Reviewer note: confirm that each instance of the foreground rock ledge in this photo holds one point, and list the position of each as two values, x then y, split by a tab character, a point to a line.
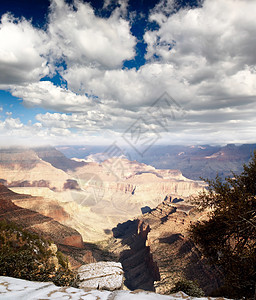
13	288
103	275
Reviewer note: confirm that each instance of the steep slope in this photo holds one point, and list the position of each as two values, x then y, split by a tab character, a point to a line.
175	254
131	248
34	221
45	206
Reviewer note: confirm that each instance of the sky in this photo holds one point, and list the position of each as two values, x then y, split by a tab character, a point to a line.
125	71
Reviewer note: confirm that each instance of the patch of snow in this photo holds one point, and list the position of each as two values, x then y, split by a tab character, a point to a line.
13	288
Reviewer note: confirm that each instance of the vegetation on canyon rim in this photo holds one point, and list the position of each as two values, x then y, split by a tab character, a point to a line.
228	237
28	256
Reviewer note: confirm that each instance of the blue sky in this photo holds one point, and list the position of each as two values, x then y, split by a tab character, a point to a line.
74	72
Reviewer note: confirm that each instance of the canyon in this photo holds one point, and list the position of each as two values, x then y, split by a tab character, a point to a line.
131	212
90	197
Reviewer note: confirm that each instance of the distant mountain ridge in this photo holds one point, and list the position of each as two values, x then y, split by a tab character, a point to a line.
57	158
193	161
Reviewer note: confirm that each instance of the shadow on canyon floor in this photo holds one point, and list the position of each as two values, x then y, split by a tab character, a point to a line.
140	269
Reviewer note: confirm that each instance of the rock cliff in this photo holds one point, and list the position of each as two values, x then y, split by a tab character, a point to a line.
156	252
133	252
174	253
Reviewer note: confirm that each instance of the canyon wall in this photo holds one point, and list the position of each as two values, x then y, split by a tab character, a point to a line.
156	251
175	254
133	252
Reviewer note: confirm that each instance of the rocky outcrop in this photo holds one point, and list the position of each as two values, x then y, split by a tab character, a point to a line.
101	275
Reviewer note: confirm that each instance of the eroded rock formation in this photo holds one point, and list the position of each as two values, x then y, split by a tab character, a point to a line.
156	252
23	167
174	253
132	249
90	197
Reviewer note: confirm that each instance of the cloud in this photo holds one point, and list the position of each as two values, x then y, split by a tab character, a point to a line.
91	120
129	88
23	51
14	132
11	124
203	57
45	94
209	43
84	39
121	6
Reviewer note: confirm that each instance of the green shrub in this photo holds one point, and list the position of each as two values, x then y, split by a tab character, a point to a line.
26	255
189	287
228	237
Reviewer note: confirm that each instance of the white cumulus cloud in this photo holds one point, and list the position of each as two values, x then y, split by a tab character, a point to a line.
203	57
23	51
46	94
85	39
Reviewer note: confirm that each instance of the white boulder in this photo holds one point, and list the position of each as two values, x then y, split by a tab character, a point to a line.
102	276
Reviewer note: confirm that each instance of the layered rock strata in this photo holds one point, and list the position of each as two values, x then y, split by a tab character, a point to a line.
34	221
